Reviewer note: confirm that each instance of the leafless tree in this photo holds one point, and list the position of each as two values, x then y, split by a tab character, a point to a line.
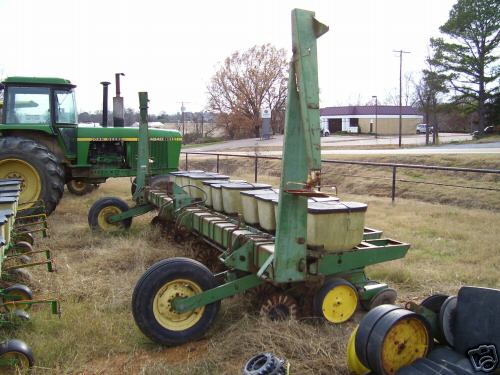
244	84
392	97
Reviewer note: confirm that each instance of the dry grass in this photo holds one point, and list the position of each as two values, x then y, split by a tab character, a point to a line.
96	334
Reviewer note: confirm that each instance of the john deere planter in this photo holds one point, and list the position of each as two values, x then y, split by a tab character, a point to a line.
17	232
299	250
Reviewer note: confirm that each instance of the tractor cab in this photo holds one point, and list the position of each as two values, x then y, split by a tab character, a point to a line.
42	104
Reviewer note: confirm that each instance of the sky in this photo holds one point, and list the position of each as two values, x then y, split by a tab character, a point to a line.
172	48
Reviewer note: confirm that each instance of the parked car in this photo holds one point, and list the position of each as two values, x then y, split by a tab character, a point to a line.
421	128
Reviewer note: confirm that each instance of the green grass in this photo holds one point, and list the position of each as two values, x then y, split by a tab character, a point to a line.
96	334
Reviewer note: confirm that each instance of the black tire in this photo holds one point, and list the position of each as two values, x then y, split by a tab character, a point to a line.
264	364
434	302
21	352
20	247
44	162
151	284
19	275
344	314
18	292
18	316
365	329
447	317
79	188
381	340
24	237
105	207
386	296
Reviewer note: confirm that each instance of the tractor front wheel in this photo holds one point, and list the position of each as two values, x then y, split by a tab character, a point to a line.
79	188
39	169
155	291
103	209
16	355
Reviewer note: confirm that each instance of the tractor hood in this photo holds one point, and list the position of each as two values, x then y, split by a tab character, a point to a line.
98	133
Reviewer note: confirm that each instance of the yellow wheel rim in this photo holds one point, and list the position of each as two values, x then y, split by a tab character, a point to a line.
20	362
78	185
339	304
21	296
405	342
353	361
164	312
103	219
31	187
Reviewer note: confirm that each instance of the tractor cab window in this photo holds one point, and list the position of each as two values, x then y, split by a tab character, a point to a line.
65	107
28	105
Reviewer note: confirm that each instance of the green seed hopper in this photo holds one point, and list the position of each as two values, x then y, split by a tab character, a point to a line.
311	261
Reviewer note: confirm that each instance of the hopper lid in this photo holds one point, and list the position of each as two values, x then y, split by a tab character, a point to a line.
259	192
335	207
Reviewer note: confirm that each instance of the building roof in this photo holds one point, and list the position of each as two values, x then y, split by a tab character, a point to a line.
360	110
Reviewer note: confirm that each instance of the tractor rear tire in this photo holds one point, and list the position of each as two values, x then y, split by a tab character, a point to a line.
41	171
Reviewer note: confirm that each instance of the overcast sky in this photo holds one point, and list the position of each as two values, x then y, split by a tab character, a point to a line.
172	48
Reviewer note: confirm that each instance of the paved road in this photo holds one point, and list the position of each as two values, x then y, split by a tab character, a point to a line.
332	141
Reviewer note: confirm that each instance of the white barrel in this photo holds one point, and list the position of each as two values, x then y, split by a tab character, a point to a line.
249	204
231	198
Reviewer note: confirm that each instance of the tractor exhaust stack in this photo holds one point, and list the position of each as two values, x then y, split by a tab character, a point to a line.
118	106
105	103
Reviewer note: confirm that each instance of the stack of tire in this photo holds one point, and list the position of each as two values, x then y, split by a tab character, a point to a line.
448	335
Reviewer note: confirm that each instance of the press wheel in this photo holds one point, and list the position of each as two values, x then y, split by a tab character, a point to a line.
15	357
336	301
392	338
353	362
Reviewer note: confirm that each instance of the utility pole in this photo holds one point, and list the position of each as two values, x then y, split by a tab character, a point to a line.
183	110
400	92
376	115
182	118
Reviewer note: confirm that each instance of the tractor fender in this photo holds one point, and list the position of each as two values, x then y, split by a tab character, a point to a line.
43	138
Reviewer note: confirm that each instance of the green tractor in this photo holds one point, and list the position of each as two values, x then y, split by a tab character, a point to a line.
42	143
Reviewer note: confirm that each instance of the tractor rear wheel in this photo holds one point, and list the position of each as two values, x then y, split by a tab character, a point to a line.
40	170
79	188
153	295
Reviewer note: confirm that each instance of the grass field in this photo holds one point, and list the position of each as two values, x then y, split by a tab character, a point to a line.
451	246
